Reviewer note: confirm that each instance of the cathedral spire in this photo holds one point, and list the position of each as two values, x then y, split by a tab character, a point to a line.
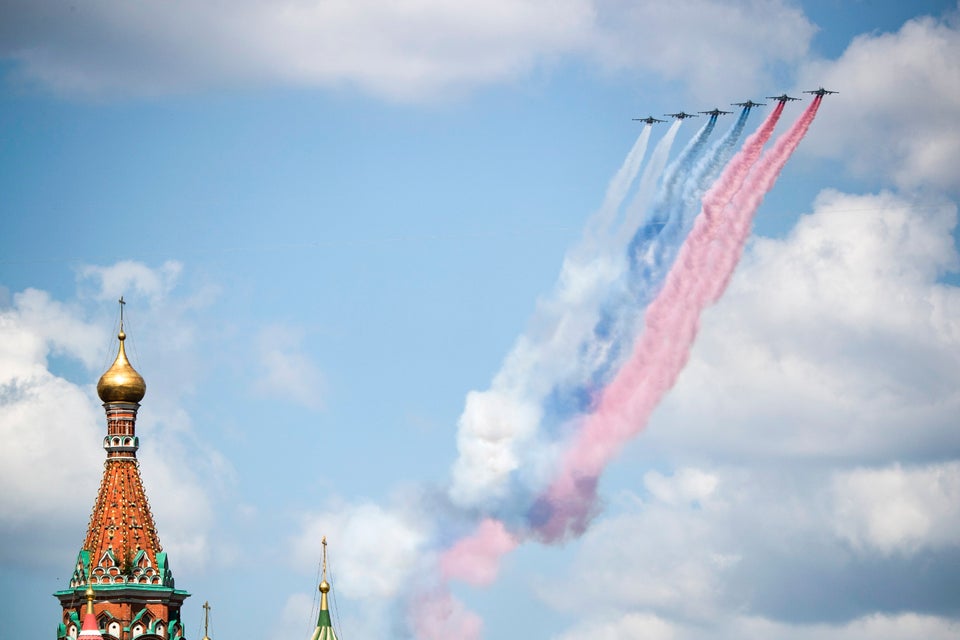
121	562
324	630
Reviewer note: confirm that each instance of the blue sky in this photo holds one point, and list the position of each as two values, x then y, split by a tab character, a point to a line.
333	222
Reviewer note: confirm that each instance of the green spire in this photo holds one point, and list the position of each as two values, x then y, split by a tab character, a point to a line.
324	630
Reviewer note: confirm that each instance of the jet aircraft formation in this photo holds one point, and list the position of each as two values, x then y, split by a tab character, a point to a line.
749	104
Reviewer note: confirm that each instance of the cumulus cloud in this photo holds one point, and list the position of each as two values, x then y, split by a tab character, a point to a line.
896	112
632	626
874	627
365	566
286	372
294	620
701	41
788	545
823	393
401	50
899	510
50	429
830	342
51	423
685	486
129	277
492	424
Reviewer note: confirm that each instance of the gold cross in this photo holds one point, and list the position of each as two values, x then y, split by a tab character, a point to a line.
324	543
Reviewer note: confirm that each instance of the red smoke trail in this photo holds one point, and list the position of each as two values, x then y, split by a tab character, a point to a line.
440	616
699	276
476	558
735	173
761	180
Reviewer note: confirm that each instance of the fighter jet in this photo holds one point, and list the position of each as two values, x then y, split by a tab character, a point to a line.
748	104
649	120
781	98
821	92
681	115
714	112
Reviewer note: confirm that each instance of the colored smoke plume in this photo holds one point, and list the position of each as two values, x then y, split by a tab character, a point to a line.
475	559
496	423
700	274
703	267
438	615
759	182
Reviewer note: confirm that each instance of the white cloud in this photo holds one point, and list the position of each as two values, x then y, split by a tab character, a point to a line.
372	549
287	372
899	510
701	41
823	391
180	487
788	547
50	327
685	486
128	277
411	50
835	341
50	430
53	427
295	618
492	426
632	626
897	108
907	626
662	557
398	49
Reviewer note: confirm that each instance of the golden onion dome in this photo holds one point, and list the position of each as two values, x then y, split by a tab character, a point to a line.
121	382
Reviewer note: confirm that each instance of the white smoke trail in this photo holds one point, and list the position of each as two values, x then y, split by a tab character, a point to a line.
640	205
496	423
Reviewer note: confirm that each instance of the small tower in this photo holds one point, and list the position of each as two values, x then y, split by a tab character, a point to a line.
121	568
324	630
90	630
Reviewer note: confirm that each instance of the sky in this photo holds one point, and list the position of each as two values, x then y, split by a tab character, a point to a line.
357	242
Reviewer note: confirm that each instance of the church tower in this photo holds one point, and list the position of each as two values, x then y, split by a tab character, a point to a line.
122	576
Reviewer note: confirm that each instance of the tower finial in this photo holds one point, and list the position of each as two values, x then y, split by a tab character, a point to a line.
121	382
206	620
323	541
89	594
324	630
324	585
89	630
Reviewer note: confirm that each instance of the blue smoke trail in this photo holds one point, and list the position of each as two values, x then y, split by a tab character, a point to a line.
660	255
600	352
668	202
708	168
650	254
617	319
